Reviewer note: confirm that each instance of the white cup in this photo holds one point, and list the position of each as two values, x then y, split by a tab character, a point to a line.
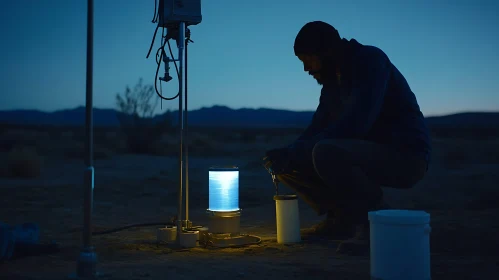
287	219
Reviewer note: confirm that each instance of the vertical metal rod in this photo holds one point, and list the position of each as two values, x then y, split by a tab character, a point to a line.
87	260
186	125
89	182
181	42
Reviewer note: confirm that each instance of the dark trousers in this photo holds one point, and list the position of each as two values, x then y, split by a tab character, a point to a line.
346	175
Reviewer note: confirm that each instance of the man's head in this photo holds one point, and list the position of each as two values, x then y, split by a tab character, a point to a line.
319	46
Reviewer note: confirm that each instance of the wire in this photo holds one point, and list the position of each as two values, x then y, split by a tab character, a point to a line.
158	60
210	243
155	12
113	230
152	42
159	57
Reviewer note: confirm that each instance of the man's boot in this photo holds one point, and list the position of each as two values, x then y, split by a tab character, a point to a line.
359	244
335	227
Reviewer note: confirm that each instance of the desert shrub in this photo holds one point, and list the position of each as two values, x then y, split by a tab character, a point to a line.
136	108
24	163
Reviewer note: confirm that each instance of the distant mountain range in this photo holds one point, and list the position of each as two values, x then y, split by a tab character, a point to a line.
221	116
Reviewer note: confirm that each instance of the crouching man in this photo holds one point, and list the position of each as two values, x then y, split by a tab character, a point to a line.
368	131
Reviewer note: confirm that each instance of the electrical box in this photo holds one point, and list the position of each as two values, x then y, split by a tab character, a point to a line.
175	11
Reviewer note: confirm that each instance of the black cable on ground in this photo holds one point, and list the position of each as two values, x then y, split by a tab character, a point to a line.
113	230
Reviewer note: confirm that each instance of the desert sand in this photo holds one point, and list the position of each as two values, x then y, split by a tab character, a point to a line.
460	192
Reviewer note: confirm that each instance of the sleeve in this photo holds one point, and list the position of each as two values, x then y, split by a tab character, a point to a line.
314	127
297	151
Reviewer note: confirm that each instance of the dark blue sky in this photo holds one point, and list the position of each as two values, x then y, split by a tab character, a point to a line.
243	51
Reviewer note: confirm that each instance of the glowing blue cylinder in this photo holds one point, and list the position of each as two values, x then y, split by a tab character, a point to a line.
223	189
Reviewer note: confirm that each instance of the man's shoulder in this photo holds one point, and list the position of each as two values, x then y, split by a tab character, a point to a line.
366	53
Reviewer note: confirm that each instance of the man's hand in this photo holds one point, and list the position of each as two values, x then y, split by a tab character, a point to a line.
276	161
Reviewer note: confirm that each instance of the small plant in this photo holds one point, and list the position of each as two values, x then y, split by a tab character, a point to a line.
24	163
136	110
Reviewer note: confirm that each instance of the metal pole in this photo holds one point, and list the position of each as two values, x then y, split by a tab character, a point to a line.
87	260
186	145
89	132
181	43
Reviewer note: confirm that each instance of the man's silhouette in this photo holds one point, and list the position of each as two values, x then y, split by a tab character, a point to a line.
367	132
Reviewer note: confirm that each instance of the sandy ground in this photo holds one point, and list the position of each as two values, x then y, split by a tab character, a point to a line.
461	195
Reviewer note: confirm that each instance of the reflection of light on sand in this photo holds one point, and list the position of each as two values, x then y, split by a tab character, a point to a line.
223	190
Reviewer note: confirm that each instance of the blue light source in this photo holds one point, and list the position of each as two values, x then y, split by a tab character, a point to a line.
223	189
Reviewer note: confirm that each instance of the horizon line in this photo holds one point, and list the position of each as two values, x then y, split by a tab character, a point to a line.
241	108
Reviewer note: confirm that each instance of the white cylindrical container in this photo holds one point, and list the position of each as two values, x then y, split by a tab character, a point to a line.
167	234
188	239
224	222
400	245
287	219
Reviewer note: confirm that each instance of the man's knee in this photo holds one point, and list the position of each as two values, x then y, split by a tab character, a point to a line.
330	153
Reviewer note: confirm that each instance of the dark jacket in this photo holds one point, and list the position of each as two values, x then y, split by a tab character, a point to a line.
372	102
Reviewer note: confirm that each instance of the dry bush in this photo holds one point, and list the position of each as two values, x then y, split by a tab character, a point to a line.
24	163
135	112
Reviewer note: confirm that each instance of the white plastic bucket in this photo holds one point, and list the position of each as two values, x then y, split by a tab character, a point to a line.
400	245
287	219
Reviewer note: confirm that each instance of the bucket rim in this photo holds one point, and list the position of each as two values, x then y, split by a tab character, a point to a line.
399	216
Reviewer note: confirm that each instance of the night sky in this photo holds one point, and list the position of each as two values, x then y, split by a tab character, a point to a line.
242	54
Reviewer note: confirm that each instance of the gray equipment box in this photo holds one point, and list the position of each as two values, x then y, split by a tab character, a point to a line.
172	12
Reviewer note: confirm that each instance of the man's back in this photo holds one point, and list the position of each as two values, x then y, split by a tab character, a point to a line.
373	102
400	121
